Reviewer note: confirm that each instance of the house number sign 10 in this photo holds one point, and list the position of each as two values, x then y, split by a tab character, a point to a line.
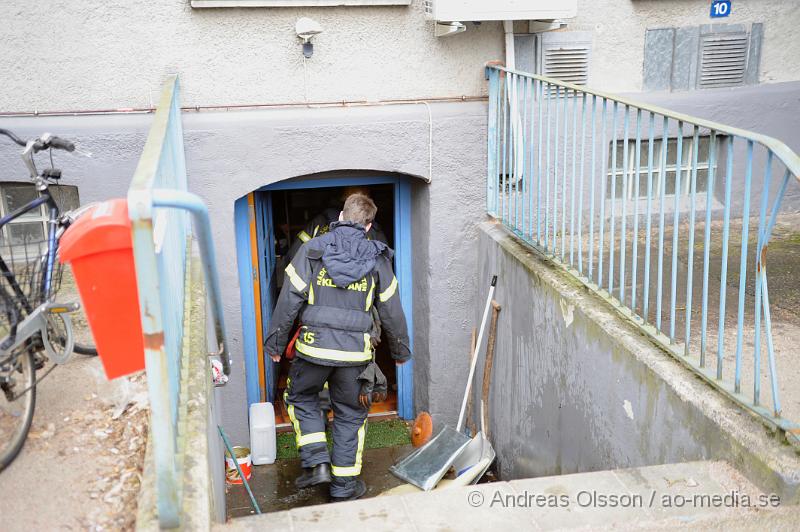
720	8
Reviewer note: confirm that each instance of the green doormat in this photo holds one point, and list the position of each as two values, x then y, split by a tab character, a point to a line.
380	434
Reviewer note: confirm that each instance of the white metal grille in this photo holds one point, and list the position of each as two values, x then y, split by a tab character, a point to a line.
723	60
567	63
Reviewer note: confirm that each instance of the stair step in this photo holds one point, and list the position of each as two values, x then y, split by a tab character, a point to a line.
682	493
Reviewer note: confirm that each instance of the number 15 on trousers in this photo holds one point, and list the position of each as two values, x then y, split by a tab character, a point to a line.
720	8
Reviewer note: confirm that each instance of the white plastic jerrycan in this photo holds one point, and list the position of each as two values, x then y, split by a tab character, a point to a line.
262	433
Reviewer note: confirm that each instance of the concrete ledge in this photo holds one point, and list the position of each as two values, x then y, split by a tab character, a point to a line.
576	387
196	398
627	498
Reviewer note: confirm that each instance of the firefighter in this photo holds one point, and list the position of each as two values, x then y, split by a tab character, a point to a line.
320	224
332	283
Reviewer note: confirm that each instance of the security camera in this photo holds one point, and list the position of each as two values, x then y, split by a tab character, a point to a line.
306	28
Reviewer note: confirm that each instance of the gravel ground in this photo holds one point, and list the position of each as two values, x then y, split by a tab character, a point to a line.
81	466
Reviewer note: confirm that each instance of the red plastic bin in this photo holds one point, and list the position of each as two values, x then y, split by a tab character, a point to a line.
99	249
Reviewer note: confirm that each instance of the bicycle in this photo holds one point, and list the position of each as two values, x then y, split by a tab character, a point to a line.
34	328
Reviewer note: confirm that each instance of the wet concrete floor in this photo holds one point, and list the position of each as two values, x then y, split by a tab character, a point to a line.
273	485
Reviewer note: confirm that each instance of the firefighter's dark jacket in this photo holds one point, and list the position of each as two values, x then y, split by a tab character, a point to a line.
333	282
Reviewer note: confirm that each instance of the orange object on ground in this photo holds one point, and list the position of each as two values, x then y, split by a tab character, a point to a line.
421	430
98	247
245	464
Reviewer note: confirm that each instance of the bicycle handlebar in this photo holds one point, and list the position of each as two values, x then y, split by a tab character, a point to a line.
51	141
12	136
44	142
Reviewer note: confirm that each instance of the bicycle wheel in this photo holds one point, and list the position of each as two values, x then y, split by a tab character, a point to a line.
81	349
60	337
17	401
85	349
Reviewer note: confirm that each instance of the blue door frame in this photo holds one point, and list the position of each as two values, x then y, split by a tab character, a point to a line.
248	276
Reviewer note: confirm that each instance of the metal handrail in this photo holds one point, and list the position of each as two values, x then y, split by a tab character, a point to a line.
158	206
786	154
528	188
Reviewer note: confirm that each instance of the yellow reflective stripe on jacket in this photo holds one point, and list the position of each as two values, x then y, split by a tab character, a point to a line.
314	437
369	294
389	292
297	282
354	470
311	294
334	354
302	235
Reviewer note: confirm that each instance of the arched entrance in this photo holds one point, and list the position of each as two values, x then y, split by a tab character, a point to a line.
263	218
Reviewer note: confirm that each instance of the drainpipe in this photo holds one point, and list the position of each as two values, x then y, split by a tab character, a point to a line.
517	134
508	28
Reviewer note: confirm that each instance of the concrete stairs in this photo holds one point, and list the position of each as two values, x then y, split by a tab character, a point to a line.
700	495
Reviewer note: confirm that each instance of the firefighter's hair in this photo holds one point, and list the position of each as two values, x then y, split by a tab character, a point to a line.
360	209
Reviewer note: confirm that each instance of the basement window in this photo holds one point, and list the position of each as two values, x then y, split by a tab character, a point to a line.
668	173
31	226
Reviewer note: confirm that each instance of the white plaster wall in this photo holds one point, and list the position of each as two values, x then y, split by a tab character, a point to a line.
619	26
109	54
115	54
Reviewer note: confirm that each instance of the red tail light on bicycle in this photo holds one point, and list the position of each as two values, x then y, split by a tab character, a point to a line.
99	249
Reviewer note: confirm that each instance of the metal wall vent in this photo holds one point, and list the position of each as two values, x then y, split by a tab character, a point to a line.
567	63
564	55
723	60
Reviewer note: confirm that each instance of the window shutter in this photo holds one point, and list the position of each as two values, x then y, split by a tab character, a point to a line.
723	59
702	57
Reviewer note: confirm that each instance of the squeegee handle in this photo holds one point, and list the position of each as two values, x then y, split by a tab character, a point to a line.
474	361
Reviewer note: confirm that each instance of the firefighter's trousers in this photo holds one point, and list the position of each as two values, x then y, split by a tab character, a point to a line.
306	379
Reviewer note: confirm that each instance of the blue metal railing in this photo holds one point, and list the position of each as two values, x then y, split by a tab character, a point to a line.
159	206
618	191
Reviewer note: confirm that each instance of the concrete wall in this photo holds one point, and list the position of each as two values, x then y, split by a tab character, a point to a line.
619	31
114	54
576	388
230	154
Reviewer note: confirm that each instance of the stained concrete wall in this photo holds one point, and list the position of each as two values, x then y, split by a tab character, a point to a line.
229	154
576	388
114	54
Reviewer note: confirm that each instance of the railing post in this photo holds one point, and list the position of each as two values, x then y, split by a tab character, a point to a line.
491	153
162	427
156	254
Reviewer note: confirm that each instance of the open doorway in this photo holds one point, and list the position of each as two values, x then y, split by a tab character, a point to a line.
272	219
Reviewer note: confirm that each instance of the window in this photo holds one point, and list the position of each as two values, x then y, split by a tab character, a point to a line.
31	226
702	57
669	173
